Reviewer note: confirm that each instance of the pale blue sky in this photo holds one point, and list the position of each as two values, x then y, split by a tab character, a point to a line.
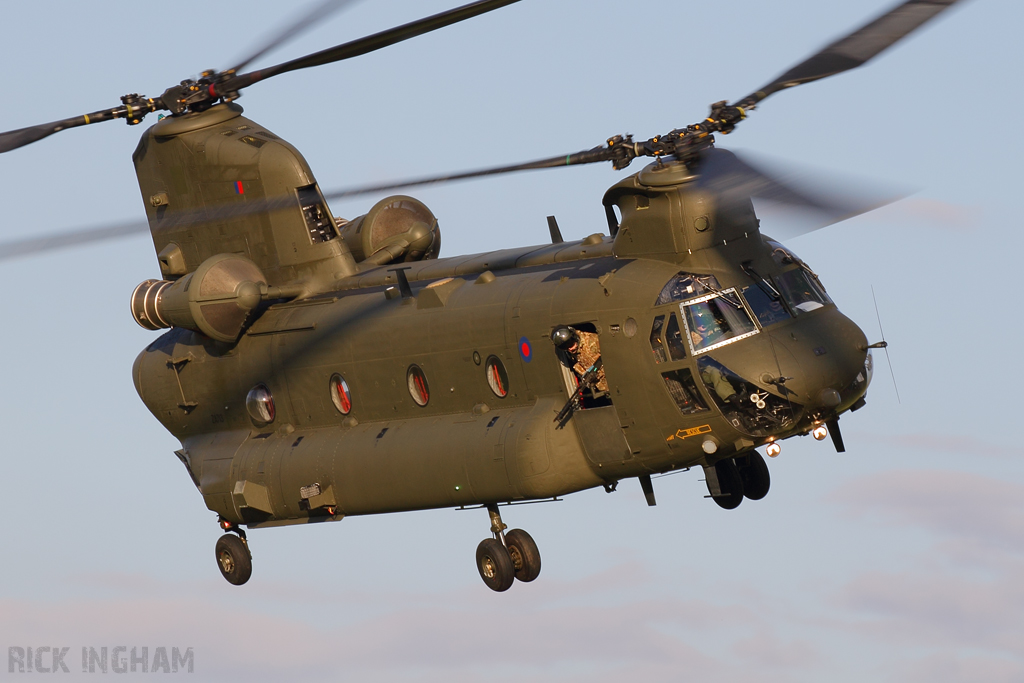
896	561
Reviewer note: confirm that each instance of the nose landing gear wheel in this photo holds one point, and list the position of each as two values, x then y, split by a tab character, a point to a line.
524	553
754	473
234	560
730	483
494	564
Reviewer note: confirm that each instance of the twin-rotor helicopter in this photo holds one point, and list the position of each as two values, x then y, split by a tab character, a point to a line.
315	368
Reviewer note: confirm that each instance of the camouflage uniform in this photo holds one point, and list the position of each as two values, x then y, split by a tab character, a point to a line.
587	353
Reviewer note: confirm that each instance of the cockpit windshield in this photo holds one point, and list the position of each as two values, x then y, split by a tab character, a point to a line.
686	286
802	290
715	320
768	309
800	286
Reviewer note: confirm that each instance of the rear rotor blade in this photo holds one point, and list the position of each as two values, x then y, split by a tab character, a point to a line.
369	43
856	48
25	136
183	97
323	10
70	238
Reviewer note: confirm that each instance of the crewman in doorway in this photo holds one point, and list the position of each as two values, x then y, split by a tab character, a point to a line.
583	350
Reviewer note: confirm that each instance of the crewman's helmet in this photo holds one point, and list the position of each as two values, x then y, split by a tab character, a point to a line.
564	337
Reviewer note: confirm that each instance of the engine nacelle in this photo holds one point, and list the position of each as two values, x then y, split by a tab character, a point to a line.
215	299
397	229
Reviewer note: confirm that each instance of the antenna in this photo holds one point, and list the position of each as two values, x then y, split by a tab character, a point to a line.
884	345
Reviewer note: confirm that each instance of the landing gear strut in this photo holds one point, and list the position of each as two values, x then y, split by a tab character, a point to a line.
233	556
506	557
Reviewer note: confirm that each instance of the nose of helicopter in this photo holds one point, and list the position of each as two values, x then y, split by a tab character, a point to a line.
829	352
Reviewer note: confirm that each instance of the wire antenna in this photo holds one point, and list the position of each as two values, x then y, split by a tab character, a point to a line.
885	345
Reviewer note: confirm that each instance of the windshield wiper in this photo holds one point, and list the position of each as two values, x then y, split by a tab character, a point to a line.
725	297
762	283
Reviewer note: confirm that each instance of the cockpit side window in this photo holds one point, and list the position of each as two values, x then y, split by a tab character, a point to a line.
674	339
802	290
748	407
657	345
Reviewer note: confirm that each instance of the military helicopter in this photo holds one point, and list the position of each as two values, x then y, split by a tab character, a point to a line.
310	371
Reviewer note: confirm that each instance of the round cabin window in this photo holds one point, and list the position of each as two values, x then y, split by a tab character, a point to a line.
418	385
340	394
497	377
260	404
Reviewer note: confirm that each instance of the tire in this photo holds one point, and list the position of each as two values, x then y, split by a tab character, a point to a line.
495	565
233	559
755	476
730	483
524	553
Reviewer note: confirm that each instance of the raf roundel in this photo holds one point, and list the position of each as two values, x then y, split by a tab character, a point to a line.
525	350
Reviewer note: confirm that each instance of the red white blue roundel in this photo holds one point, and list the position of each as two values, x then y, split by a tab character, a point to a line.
525	350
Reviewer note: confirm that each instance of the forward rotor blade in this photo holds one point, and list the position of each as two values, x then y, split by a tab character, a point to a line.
369	43
323	10
821	200
856	48
588	157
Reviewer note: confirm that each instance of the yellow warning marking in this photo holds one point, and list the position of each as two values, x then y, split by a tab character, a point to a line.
692	431
86	119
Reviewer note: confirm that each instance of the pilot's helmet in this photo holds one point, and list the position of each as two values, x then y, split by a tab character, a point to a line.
564	337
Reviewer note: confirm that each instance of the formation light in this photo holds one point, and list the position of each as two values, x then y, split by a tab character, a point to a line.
819	432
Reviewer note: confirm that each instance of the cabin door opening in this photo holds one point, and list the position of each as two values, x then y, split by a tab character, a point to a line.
575	364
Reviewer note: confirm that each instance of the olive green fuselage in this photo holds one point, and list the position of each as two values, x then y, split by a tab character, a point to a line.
468	444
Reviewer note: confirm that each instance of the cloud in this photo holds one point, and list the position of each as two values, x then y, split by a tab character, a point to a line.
957	505
589	630
938	617
765	648
940	610
960	603
952	668
959	445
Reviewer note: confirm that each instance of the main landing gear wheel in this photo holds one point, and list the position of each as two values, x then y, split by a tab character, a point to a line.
730	483
234	559
506	557
524	553
495	565
754	473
